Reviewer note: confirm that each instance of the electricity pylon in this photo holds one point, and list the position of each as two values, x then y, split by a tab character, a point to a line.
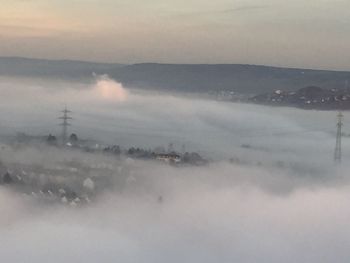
65	123
337	152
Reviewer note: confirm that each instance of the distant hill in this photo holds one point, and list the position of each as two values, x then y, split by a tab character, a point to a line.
65	69
244	79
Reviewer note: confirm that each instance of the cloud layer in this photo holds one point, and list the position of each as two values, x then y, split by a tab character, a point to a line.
220	213
284	202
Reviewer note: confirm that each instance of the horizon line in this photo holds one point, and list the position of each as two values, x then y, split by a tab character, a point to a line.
169	63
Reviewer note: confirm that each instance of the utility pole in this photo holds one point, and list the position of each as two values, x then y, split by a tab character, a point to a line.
65	123
337	152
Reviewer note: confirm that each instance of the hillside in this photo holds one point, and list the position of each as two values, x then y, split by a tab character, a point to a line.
65	69
244	79
311	97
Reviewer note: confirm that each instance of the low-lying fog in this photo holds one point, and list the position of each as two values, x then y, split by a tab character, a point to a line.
255	211
110	113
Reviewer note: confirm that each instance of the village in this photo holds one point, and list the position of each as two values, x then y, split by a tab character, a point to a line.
74	171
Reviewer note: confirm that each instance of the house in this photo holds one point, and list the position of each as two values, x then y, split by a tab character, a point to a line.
169	157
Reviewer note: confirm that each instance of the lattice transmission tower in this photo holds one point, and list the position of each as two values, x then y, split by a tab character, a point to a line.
338	152
65	124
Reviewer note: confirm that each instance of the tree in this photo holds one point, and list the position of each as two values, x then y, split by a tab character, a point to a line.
51	139
7	179
73	137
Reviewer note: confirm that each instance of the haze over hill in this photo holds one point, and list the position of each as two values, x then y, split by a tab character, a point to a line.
245	79
65	69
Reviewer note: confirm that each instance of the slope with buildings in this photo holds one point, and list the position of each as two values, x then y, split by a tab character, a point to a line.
311	97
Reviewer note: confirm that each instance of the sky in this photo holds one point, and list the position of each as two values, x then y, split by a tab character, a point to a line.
298	33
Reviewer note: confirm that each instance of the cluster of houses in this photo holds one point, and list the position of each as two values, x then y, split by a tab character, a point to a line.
311	97
76	183
29	184
170	157
160	154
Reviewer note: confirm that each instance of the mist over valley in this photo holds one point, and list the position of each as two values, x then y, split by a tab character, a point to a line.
270	191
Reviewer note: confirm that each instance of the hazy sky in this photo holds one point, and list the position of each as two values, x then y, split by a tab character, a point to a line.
312	33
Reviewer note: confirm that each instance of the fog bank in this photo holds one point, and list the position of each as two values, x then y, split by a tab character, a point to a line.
279	199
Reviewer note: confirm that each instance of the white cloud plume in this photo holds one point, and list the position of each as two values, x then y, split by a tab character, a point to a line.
109	90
